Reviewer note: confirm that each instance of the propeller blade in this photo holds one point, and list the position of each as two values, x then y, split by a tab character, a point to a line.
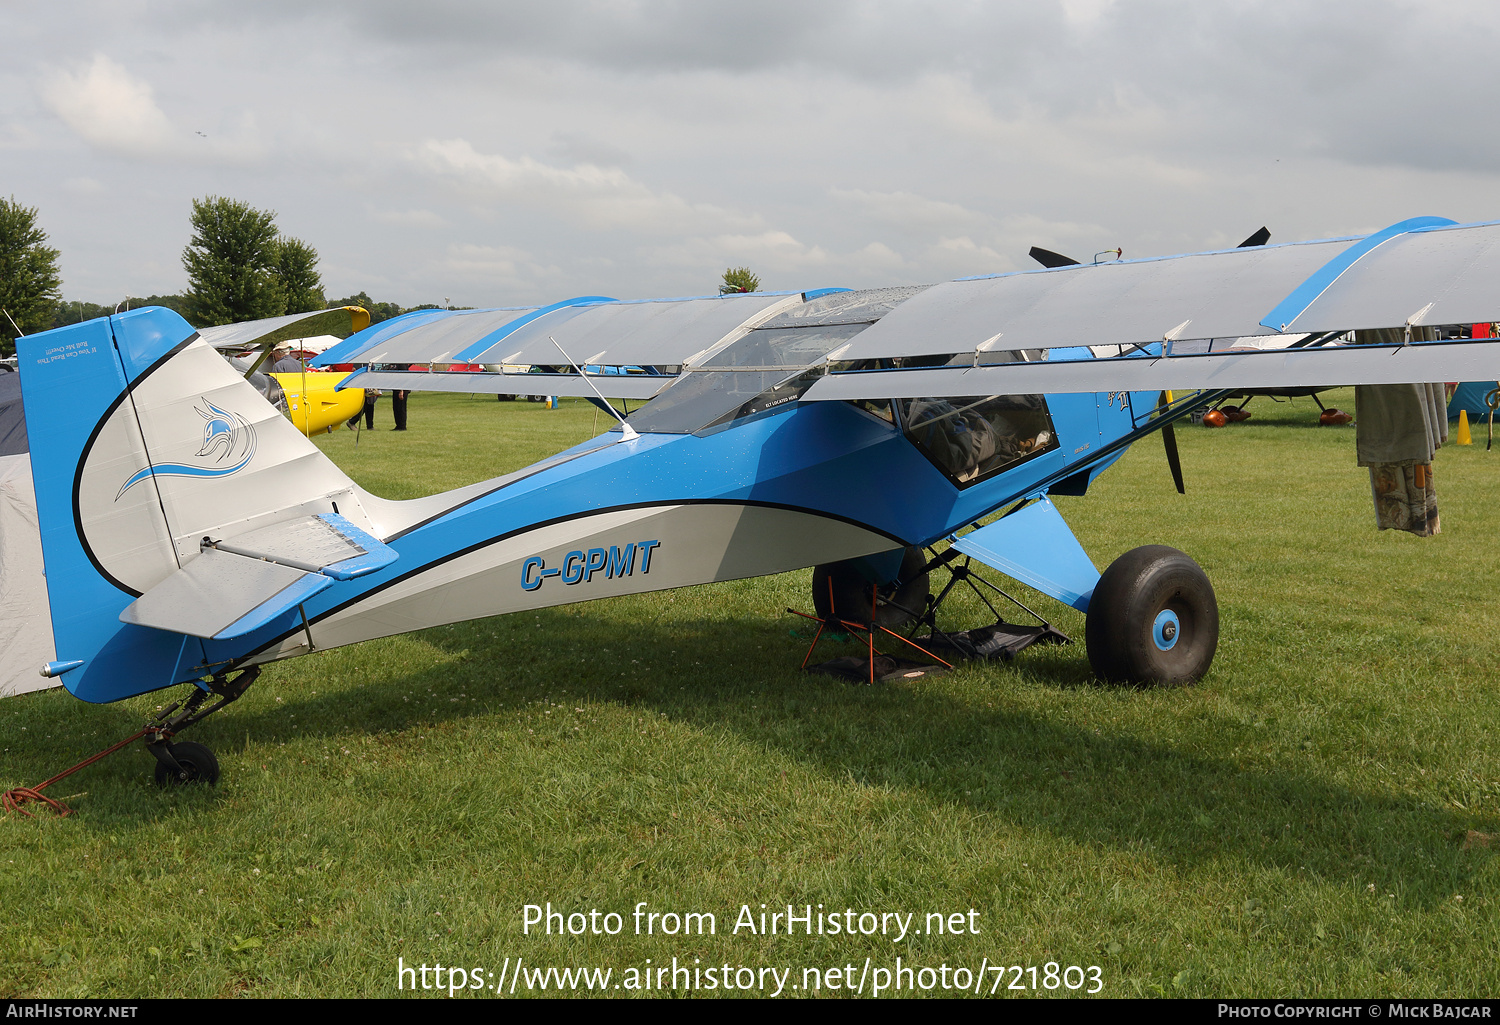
1260	238
1169	439
1047	258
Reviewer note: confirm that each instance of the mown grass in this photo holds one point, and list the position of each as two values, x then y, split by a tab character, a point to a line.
1314	818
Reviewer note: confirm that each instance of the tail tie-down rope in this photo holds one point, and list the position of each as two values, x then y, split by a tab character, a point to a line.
17	798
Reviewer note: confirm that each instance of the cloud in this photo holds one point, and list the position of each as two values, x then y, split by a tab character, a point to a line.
784	261
878	257
950	239
963	251
909	212
644	145
1034	230
764	252
1085	12
469	258
116	112
410	218
593	196
111	110
83	186
582	148
776	249
624	34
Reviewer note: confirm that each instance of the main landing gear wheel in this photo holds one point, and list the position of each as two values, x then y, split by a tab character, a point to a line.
198	765
849	597
1153	619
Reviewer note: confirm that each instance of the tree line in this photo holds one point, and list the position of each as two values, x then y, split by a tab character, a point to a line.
240	266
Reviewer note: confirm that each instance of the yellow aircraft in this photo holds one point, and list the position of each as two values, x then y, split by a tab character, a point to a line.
312	404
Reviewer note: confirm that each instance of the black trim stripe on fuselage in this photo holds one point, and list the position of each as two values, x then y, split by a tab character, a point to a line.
897	542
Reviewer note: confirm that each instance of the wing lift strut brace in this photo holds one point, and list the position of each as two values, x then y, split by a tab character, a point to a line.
941	648
1000	639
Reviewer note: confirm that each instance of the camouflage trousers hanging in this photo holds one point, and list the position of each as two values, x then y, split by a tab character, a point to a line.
1405	498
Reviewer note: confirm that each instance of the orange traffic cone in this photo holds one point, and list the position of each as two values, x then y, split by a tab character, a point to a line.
1463	428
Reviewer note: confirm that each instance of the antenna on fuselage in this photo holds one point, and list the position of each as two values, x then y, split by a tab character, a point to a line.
630	433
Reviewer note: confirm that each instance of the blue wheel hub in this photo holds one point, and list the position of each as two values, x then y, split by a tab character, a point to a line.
1166	630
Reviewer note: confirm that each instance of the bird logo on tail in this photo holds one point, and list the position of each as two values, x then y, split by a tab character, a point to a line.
226	436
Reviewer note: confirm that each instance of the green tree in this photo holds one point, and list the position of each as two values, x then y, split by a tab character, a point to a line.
77	311
233	263
73	311
176	303
30	285
739	279
297	266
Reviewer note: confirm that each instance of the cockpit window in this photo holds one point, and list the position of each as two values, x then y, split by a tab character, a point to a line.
765	369
770	367
973	438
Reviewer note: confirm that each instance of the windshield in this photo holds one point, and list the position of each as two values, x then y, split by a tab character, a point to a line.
768	368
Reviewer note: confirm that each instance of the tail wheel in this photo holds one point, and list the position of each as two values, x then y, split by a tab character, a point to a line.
198	765
1153	619
841	591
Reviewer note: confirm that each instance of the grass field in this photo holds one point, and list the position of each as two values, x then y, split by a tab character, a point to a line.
1319	816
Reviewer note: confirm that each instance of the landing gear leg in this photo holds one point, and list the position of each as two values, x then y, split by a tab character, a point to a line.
189	762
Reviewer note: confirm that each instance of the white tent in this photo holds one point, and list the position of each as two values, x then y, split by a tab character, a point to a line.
306	348
25	623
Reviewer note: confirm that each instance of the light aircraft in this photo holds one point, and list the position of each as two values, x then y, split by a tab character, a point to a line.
192	534
314	403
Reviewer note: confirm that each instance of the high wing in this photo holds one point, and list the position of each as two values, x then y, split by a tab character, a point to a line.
262	335
1171	323
1250	317
252	333
1477	360
492	350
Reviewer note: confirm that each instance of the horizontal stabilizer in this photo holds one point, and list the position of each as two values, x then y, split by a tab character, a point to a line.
326	543
238	585
1035	546
220	596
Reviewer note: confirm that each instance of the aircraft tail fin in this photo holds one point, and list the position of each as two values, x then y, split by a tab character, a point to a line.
144	440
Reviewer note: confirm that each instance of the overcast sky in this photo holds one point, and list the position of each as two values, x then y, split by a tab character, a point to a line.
498	153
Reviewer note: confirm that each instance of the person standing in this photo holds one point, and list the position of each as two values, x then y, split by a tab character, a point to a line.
398	408
371	394
283	362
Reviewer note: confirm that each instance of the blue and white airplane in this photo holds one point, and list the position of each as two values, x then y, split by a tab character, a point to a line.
192	534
